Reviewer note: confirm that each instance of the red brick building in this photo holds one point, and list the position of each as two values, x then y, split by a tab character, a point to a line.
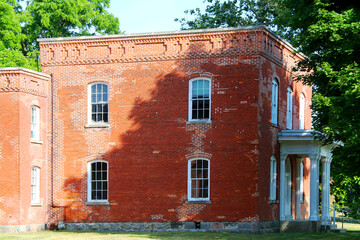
158	131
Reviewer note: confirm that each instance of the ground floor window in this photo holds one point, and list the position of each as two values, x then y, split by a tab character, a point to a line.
198	180
98	181
35	185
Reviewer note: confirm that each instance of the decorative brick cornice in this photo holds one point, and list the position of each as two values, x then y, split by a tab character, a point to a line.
24	80
244	42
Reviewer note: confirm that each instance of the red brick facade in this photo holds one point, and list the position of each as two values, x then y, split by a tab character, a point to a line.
20	89
148	140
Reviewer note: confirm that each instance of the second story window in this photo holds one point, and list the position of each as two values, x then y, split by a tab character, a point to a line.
289	109
199	99
302	112
274	101
98	103
35	123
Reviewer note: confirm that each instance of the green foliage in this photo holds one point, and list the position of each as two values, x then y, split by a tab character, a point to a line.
235	13
20	28
66	18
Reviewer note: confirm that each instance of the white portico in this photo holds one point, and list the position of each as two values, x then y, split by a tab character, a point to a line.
303	144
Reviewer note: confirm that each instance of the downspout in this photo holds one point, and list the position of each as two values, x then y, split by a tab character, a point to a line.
52	144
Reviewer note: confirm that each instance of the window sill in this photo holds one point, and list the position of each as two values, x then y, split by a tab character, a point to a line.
96	203
273	201
198	202
275	125
199	122
97	125
36	141
36	204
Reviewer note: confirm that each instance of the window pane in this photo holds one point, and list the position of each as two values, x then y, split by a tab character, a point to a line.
93	98
206	114
93	117
105	97
99	88
105	117
206	84
93	88
105	108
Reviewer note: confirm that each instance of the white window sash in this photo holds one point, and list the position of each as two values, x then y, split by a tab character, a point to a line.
274	102
35	185
302	112
35	123
190	198
190	99
289	109
89	179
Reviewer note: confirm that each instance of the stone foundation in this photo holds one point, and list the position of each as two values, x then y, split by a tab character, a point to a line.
23	228
241	227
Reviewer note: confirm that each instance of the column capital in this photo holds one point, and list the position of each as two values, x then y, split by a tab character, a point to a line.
283	157
326	159
315	157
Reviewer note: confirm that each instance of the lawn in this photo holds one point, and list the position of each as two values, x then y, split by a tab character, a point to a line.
175	235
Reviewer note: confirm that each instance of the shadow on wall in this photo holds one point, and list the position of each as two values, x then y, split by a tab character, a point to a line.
148	164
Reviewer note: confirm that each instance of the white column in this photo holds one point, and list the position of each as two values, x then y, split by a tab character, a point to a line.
314	187
282	186
298	192
325	218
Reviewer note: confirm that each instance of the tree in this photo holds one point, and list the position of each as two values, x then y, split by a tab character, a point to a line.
20	28
328	32
11	37
234	13
66	18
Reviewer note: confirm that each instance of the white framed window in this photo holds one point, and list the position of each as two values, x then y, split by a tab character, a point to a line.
198	180
289	108
35	185
301	182
199	99
274	101
273	178
35	123
97	181
98	103
302	111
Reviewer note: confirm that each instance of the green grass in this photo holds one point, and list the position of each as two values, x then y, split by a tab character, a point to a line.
174	235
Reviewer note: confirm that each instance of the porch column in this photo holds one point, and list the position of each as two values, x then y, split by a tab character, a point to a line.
282	186
298	188
325	216
314	187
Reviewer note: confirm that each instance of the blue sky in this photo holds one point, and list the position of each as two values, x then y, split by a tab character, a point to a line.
141	16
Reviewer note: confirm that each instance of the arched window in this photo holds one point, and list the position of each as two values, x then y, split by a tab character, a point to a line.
98	106
199	99
273	178
302	112
35	123
198	180
274	101
35	185
97	181
289	109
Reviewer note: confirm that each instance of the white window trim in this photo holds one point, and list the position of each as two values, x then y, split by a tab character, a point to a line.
289	112
89	183
302	111
90	123
189	181
35	126
274	101
273	166
36	199
190	119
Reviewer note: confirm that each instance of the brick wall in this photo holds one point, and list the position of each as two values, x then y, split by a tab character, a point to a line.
148	142
20	89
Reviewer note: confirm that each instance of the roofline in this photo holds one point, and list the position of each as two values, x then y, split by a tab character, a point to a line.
178	32
152	34
24	70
